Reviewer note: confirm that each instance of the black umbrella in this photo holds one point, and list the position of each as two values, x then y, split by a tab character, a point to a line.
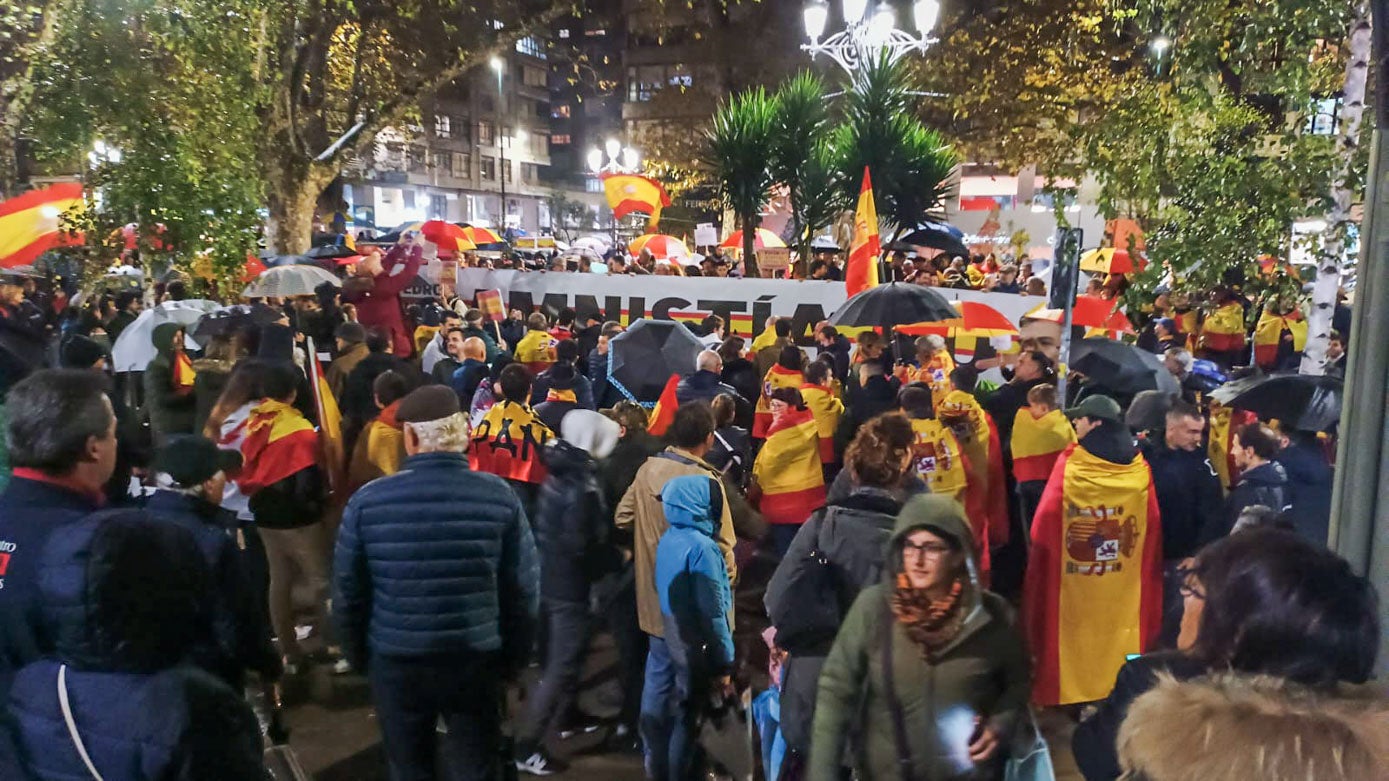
331	252
641	359
893	304
937	236
231	319
1301	401
1121	369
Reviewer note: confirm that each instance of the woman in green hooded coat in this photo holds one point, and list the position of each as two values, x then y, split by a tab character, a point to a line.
955	703
170	403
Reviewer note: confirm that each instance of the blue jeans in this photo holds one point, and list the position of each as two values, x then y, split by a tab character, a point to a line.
666	715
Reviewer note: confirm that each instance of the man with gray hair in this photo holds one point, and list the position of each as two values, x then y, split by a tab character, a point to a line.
1179	362
705	383
62	440
436	594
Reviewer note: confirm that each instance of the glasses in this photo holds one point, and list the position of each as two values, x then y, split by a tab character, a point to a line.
928	550
1190	584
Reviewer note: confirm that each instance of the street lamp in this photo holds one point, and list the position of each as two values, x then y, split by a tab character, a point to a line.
865	35
496	64
620	159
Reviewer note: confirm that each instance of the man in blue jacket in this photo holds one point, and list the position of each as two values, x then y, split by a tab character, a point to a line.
436	594
696	607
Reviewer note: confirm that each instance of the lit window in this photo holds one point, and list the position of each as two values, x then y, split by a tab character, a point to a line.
489	168
442	125
486	132
560	138
531	45
560	111
595	33
564	33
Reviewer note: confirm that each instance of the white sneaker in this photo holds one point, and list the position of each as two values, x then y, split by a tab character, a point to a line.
538	764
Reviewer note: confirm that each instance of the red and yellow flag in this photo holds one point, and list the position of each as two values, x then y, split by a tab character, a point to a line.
941	464
332	453
183	373
1037	442
1093	591
777	377
1224	328
663	414
788	470
508	443
627	193
1268	334
1224	422
986	500
489	302
861	272
536	351
827	409
279	442
30	224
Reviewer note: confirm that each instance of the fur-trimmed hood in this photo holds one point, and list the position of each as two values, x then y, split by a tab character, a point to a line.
1231	728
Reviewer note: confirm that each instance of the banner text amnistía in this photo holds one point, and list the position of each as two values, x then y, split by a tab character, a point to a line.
744	304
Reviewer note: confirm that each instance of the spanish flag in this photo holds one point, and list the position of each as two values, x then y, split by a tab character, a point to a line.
1093	590
279	442
941	464
1223	330
508	442
777	377
765	339
331	451
986	500
1224	422
1268	334
1037	442
183	372
627	193
861	272
536	351
663	414
788	470
30	224
825	405
934	373
1187	324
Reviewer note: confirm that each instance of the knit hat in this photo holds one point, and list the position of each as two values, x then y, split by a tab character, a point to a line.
80	352
432	402
191	460
352	333
590	431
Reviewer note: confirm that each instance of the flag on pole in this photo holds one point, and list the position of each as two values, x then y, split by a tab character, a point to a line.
31	224
664	412
862	270
1093	592
330	440
627	193
489	302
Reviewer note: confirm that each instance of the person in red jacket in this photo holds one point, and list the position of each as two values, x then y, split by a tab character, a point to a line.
376	289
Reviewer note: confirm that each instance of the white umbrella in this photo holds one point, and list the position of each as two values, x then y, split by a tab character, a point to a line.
599	244
295	280
134	348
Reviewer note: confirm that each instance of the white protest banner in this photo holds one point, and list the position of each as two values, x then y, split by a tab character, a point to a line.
705	235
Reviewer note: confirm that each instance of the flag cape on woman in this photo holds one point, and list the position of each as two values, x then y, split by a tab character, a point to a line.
1224	422
937	457
536	351
986	500
1268	335
1224	328
825	405
278	442
777	377
508	443
1037	442
1093	591
788	470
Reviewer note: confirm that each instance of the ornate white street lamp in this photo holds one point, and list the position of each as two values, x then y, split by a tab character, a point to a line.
620	159
866	34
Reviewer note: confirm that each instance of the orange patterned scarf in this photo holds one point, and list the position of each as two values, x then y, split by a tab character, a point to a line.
930	623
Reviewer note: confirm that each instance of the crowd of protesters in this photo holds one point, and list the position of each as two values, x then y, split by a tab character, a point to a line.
899	561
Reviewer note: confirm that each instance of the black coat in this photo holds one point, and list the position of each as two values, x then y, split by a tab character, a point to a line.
877	396
1188	494
742	376
1265	484
839	348
1093	742
702	386
358	400
571	523
1308	491
732	454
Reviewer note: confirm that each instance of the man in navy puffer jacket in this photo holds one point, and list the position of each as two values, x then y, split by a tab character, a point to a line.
435	594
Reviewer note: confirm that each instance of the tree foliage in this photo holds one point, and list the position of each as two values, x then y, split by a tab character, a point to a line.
801	157
739	149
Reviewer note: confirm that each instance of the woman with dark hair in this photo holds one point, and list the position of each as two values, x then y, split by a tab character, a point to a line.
927	678
789	483
741	374
845	541
732	450
1261	602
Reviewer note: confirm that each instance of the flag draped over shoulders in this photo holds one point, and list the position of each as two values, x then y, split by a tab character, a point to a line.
1268	335
986	500
939	461
1224	422
1093	591
536	351
825	405
777	377
1037	442
278	441
788	470
1223	329
508	442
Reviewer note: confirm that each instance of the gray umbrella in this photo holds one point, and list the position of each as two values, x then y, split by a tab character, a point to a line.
641	359
293	280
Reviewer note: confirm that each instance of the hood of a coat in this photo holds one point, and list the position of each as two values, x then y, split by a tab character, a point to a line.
589	431
945	518
1304	464
276	343
163	339
1267	473
1112	442
563	458
693	502
1254	727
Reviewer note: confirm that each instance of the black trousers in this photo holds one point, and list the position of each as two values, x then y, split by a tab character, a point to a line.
411	695
567	626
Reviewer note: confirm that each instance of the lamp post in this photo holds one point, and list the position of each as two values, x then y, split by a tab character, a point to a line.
866	34
620	160
496	64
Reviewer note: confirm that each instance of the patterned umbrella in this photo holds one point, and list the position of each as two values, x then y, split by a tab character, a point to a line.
1089	312
1108	260
447	236
661	247
976	319
642	358
294	280
761	239
480	236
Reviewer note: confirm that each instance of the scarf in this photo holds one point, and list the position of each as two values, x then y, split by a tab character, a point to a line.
930	623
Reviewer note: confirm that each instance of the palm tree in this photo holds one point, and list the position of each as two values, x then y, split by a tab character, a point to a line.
802	125
738	148
912	165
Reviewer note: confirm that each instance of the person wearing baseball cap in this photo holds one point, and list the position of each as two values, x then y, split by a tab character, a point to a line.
192	474
1100	429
